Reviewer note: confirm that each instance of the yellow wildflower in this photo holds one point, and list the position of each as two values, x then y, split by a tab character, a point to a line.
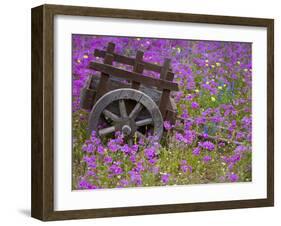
213	99
196	91
218	64
238	62
219	87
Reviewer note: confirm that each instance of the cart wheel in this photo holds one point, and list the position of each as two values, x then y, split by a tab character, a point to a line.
129	111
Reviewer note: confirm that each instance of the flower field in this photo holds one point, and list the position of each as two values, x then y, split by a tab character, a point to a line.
209	143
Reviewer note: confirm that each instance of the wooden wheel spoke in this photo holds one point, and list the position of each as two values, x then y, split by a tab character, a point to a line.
106	130
122	108
111	115
144	122
134	113
130	141
140	135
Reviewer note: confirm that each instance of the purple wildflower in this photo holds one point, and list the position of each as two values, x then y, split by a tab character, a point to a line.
132	158
84	184
115	169
135	177
150	152
124	183
179	137
139	167
207	159
233	177
185	167
207	145
112	146
205	135
165	178
108	159
189	136
194	105
196	151
184	115
100	150
88	148
167	125
239	149
126	149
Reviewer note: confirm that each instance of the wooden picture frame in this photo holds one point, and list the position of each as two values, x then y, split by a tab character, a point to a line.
43	112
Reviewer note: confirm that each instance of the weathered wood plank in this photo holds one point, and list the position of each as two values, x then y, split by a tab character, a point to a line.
87	94
170	76
135	84
138	68
133	76
171	110
170	116
165	94
163	102
165	68
129	61
87	98
110	47
139	57
108	59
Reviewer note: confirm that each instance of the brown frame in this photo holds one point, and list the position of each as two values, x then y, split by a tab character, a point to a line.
42	202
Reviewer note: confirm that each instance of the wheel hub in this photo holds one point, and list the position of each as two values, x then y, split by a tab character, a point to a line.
126	130
126	126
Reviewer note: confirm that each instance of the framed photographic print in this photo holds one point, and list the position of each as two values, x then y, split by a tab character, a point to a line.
141	112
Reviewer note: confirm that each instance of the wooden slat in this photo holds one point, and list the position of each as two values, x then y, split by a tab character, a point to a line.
108	59
86	98
170	76
170	116
128	60
165	94
138	68
133	76
110	47
165	68
139	57
87	94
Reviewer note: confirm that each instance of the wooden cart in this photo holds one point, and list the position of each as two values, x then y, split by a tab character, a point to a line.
128	101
